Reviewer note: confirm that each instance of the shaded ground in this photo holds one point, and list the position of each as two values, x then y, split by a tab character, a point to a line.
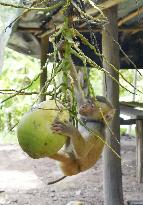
23	181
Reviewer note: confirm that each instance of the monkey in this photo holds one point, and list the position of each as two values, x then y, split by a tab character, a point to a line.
87	141
85	146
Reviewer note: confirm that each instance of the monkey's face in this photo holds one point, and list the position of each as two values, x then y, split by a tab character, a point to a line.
87	109
96	110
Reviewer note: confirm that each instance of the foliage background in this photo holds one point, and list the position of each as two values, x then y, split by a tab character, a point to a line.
19	71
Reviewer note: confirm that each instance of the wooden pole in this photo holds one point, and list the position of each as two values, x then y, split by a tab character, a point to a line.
139	150
112	164
43	77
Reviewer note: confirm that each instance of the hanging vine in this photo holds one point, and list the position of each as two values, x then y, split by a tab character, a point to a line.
68	35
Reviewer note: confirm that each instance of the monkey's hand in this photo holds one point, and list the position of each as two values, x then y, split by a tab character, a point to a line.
64	128
80	146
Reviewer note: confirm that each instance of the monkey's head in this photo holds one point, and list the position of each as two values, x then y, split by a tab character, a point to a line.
98	109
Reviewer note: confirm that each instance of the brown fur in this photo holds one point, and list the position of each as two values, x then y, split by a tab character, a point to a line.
86	147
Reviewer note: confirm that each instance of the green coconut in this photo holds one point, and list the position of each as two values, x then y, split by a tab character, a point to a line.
34	130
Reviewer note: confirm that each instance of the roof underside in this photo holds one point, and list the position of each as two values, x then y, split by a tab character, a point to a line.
25	37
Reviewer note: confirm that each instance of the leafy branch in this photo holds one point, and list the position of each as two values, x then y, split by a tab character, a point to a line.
68	34
50	8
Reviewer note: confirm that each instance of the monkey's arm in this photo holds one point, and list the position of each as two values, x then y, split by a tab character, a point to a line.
80	145
77	87
73	72
69	165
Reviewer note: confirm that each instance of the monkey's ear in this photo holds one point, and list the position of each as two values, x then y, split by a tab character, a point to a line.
110	115
89	100
113	111
66	122
57	119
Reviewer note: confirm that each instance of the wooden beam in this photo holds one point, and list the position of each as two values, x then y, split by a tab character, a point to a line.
127	122
130	16
121	29
29	29
85	30
91	11
127	110
135	202
132	104
105	5
139	150
39	31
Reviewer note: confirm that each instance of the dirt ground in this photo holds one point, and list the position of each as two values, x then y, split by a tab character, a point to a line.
23	181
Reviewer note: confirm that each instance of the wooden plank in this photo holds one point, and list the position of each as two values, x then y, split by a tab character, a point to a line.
121	29
91	11
130	16
127	122
132	104
139	150
135	202
133	112
104	5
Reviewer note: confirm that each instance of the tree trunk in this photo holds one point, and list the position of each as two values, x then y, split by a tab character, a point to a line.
43	76
112	164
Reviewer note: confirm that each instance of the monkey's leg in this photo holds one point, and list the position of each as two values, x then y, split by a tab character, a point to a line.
61	157
70	166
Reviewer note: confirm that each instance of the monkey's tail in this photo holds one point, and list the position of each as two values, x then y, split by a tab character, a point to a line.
53	182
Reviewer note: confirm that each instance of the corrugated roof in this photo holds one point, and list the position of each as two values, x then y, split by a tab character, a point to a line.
23	38
128	6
